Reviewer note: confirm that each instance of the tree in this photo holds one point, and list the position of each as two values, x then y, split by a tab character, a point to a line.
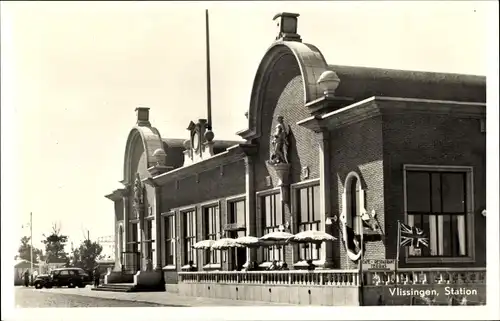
25	250
54	245
86	254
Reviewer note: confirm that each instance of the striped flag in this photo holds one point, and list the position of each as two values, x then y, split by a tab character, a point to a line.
412	236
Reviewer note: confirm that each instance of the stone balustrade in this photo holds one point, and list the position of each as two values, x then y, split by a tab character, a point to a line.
292	277
337	278
423	276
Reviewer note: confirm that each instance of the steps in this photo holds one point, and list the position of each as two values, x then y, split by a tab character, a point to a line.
116	287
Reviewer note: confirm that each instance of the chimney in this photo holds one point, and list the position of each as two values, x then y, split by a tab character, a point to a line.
142	116
287	26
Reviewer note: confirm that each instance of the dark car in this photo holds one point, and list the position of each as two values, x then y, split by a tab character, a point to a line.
70	277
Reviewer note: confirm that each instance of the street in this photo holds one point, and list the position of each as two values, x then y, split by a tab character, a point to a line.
32	298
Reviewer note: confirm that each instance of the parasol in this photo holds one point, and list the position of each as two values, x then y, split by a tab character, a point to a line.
203	245
225	243
249	241
311	236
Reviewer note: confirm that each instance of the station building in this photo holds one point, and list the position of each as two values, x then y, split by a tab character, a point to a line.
326	146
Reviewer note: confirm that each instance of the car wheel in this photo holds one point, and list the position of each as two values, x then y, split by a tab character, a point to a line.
71	284
38	285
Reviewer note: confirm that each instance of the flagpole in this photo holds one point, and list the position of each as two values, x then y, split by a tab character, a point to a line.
399	245
209	92
31	240
360	267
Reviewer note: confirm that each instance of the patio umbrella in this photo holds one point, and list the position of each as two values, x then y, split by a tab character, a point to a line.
316	237
203	245
311	236
225	244
249	241
276	238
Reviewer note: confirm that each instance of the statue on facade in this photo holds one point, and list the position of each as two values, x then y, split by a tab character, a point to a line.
279	154
138	191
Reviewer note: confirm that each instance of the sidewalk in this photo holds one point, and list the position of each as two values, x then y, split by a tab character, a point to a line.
164	298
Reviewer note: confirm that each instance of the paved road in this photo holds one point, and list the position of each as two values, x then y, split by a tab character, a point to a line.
31	298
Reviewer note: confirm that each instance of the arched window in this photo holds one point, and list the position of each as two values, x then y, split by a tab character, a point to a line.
353	207
353	202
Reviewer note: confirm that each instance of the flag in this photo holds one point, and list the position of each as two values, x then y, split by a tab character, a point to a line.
352	240
412	236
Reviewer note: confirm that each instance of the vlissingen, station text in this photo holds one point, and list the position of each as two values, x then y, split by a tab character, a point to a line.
431	292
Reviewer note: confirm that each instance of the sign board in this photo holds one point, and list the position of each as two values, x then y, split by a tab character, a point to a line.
379	265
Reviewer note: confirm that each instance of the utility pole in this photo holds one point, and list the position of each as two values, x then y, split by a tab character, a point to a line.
31	240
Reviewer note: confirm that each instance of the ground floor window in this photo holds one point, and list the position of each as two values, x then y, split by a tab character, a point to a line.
211	223
309	216
189	229
237	256
169	225
273	215
437	201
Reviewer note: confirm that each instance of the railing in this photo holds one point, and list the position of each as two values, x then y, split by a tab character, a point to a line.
298	277
340	277
428	276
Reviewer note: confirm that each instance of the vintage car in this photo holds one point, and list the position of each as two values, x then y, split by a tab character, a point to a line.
70	277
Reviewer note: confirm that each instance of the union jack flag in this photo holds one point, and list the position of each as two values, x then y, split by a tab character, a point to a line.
412	236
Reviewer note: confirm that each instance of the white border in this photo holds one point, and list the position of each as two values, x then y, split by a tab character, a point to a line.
8	205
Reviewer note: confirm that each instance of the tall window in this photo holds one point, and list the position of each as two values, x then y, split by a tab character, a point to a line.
309	219
237	212
437	203
272	210
189	226
169	222
149	238
211	223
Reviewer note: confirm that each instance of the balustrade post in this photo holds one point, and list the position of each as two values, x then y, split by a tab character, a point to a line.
321	279
262	278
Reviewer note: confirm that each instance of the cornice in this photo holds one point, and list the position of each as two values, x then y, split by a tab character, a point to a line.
231	155
375	106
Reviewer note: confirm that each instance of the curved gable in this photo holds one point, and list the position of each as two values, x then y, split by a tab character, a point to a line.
309	60
150	139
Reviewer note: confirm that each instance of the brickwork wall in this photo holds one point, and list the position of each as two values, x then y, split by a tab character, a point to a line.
213	185
424	139
358	148
284	96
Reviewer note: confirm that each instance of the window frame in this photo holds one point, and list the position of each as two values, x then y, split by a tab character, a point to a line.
149	238
168	241
184	251
215	259
262	211
469	212
295	220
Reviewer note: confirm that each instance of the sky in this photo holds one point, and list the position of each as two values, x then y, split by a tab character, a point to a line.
74	72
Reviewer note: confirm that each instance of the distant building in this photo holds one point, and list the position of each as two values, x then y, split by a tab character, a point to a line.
325	144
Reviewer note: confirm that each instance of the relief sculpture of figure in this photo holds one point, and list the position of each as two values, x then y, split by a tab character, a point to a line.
279	143
138	190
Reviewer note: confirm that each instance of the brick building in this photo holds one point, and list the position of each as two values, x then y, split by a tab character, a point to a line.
359	143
